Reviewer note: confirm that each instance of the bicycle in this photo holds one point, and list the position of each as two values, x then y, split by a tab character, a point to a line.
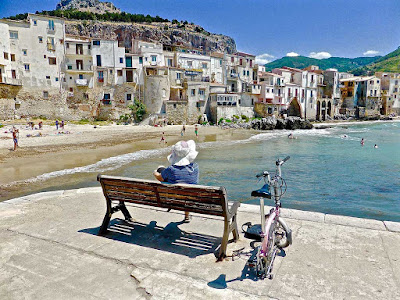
273	230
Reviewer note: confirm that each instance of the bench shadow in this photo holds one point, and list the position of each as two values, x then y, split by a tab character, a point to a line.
169	238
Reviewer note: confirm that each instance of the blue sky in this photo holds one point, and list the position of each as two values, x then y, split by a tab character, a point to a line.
271	29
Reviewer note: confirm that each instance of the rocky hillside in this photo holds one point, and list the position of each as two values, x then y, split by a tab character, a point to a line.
165	33
103	20
94	6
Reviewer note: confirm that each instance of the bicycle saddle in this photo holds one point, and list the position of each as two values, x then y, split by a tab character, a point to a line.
262	192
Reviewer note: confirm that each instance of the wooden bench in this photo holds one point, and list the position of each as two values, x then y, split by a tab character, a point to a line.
207	200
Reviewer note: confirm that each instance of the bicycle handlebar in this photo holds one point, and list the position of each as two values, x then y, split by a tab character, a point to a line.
278	163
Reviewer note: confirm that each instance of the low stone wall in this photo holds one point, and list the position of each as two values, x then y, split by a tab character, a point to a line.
227	112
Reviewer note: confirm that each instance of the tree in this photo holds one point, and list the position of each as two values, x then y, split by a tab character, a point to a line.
138	110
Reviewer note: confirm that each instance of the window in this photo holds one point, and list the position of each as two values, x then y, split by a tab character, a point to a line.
169	62
45	94
241	61
26	66
80	76
232	59
128	62
140	60
52	61
154	58
5	55
71	89
51	25
107	97
248	73
44	56
98	60
220	62
190	63
119	72
101	76
192	92
204	65
24	51
178	75
121	60
96	43
13	74
201	92
244	73
50	44
40	39
69	67
14	35
56	78
47	77
128	97
12	57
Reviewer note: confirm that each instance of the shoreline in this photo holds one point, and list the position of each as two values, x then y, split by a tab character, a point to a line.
85	145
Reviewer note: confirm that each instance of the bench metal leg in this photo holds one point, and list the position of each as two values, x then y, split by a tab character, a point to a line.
224	242
235	231
125	211
104	225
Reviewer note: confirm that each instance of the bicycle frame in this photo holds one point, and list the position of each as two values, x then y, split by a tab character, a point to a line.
268	248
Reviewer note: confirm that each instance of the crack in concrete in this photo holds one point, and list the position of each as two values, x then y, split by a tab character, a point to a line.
390	261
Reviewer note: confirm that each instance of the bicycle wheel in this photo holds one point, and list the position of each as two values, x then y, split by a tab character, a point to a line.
283	238
271	244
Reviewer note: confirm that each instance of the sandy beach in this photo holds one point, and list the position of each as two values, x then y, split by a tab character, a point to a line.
49	149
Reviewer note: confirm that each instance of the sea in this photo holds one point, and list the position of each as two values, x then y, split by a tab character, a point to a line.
329	171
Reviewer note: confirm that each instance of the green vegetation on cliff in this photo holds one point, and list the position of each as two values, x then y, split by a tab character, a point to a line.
83	15
387	63
340	63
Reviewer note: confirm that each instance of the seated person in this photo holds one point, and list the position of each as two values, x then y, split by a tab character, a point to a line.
182	168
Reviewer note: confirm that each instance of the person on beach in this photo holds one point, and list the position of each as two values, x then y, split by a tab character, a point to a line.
196	130
62	124
162	138
56	124
183	169
183	130
362	142
40	125
15	134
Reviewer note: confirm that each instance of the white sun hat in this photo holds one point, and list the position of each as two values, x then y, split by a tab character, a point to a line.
183	153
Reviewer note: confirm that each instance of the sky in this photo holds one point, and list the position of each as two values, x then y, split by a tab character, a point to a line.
271	29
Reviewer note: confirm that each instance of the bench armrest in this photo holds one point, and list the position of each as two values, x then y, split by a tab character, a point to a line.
233	209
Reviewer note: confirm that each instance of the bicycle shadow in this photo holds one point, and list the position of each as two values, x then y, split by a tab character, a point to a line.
248	272
169	238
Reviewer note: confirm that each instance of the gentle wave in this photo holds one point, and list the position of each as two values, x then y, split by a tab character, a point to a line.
103	165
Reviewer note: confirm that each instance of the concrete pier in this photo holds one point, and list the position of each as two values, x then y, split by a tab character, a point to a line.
49	249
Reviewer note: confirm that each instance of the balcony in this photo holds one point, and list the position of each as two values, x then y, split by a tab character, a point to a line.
100	79
81	82
51	29
153	63
79	69
10	81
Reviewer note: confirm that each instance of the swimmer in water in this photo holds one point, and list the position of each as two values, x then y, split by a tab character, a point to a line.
376	146
362	142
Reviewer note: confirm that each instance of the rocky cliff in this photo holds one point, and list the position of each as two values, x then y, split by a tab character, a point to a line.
165	33
94	6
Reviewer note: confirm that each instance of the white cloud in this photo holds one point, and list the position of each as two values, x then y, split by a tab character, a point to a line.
320	55
292	54
264	58
370	52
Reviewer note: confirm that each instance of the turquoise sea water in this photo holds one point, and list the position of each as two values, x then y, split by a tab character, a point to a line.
329	171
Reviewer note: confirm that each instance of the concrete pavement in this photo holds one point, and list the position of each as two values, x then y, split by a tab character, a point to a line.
49	250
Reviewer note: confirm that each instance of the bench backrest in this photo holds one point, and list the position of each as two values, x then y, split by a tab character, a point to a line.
186	197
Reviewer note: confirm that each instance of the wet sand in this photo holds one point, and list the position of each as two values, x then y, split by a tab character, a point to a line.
81	145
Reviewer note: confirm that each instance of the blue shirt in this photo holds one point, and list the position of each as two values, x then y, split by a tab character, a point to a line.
181	174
